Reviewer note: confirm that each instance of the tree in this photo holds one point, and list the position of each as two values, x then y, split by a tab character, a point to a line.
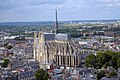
6	62
106	65
90	61
9	47
113	73
113	63
102	58
41	75
118	62
100	75
113	55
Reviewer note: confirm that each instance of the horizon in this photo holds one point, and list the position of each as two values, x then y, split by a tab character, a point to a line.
44	10
63	21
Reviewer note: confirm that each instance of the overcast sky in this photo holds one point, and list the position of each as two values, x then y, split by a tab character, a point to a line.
44	10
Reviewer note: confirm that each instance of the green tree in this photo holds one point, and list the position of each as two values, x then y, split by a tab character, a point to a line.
118	62
9	47
113	63
113	55
41	75
100	75
113	73
106	65
90	61
102	58
6	62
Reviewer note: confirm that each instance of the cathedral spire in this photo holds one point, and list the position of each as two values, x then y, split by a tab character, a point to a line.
56	22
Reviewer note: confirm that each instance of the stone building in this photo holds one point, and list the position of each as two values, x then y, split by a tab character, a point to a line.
56	48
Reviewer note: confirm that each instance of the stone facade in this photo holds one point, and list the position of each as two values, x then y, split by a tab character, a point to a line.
56	48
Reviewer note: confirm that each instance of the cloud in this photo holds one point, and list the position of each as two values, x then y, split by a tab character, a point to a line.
41	2
109	3
10	4
16	10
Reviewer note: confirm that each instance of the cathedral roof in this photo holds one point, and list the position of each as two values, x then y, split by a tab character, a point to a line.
62	37
49	36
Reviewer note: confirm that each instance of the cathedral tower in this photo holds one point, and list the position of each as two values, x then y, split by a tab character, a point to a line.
56	22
